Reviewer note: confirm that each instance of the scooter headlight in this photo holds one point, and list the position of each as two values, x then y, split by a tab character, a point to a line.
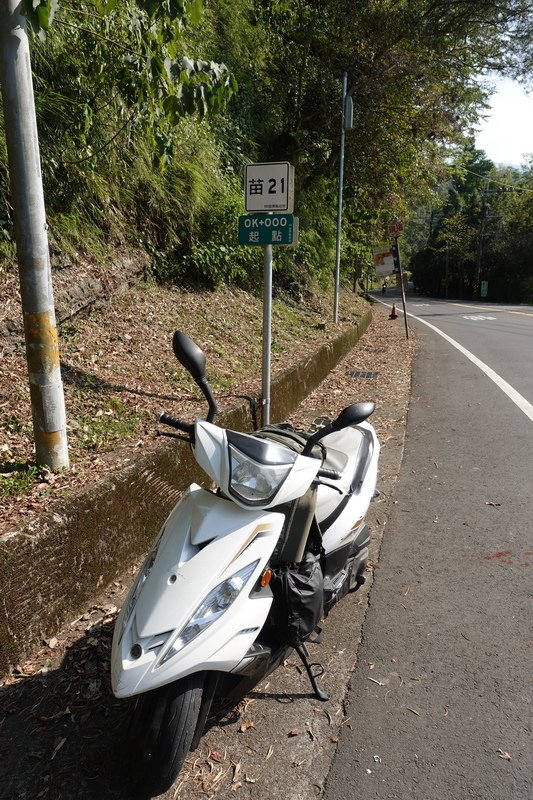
210	609
258	468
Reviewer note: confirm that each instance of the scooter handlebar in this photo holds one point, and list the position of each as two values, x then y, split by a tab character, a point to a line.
172	422
332	474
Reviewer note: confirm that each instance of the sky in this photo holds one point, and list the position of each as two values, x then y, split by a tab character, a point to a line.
507	132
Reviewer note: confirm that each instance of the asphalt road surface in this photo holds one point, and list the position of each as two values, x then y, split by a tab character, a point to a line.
440	701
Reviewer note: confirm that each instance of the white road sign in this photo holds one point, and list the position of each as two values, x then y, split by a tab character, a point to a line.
383	260
269	187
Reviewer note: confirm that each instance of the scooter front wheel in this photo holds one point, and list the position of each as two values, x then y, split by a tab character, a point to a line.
161	732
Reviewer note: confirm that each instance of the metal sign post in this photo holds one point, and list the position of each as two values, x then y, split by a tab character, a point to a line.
339	206
268	188
267	332
400	273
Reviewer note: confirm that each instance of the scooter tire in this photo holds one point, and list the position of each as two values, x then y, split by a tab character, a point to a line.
162	731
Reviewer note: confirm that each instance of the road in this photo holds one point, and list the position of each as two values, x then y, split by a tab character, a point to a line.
440	701
500	336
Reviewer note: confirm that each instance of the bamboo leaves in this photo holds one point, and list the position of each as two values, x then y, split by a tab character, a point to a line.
141	44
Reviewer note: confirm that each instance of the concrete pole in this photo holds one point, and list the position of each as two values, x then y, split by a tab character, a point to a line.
42	350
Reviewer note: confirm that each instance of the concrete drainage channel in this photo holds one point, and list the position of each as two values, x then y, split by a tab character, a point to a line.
53	566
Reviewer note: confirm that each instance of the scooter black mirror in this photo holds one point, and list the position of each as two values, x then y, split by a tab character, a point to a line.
353	415
189	355
193	359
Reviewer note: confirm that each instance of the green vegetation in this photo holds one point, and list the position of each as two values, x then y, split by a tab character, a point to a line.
148	111
16	478
111	424
479	231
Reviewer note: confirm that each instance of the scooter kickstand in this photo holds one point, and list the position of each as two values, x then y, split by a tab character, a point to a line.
304	657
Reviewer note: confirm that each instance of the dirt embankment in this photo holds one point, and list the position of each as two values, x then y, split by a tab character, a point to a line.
118	369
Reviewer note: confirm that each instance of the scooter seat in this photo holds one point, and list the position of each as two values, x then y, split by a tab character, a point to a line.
347	452
287	436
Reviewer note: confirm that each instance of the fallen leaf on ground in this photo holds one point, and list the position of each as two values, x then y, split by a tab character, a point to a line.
503	754
58	744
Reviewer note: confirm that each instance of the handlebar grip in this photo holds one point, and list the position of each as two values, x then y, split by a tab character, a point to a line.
332	474
172	422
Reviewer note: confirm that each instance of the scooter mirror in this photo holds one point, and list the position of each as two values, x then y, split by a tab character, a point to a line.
352	415
189	355
193	359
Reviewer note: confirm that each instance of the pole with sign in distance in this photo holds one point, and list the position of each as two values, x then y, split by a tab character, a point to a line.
400	273
395	228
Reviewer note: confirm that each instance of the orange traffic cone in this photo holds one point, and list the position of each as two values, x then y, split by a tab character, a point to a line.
393	314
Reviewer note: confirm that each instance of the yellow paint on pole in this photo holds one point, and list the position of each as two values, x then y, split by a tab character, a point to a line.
41	342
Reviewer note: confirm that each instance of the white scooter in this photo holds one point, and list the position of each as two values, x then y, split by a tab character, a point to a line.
239	574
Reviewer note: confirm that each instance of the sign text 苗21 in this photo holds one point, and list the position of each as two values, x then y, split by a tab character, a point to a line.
269	187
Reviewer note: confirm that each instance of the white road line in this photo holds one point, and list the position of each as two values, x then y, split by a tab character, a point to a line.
511	393
477	317
500	309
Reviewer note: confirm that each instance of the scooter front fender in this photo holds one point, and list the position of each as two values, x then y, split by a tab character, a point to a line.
205	540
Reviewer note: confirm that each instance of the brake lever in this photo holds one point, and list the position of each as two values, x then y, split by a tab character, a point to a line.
174	436
329	485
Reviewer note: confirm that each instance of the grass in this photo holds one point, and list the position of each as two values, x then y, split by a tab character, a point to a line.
114	423
17	478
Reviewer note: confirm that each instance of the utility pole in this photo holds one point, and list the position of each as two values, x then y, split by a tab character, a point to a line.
346	123
479	259
42	350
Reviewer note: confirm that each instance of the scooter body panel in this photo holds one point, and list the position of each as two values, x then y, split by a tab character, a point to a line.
212	453
205	540
342	505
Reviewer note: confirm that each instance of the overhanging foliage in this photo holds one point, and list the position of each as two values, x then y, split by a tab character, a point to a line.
144	131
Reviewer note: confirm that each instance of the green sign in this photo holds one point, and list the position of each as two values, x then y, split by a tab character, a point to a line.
263	229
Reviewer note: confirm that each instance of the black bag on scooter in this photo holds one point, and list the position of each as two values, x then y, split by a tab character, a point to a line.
298	605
